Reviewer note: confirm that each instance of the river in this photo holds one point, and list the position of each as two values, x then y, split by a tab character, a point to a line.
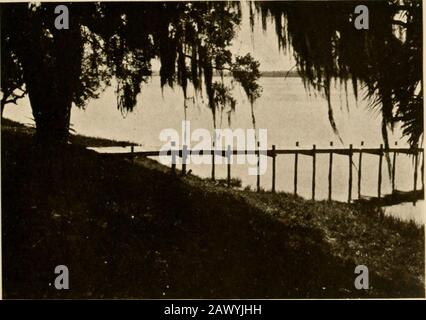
289	113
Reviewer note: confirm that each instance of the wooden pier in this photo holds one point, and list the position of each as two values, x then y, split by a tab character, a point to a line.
380	152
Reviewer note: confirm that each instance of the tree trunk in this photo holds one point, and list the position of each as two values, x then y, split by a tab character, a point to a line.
2	107
52	68
53	128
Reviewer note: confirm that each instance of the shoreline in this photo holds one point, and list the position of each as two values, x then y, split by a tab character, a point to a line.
260	243
78	139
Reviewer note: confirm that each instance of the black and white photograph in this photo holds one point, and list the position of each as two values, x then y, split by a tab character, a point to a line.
212	150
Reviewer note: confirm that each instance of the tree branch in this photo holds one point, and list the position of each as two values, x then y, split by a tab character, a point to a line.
15	97
400	23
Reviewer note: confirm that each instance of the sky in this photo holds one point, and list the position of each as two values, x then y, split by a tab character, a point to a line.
262	45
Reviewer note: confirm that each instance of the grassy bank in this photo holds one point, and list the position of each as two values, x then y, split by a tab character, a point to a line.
76	139
137	231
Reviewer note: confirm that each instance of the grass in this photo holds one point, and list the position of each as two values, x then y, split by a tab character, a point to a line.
138	231
75	139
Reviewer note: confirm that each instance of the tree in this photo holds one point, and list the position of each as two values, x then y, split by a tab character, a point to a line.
386	58
114	43
12	79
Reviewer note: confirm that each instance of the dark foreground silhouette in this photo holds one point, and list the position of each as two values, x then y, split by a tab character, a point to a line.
127	231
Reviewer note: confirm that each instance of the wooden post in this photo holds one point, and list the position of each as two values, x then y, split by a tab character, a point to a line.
423	170
394	168
213	160
132	151
273	167
184	155
258	168
360	170
379	184
330	173
314	160
228	157
416	153
350	174
173	154
296	158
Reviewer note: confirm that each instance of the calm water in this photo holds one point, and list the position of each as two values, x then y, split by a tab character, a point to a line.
285	109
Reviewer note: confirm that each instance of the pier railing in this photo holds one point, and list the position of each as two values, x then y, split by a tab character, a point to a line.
311	152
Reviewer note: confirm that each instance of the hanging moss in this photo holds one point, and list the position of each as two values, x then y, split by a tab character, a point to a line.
327	48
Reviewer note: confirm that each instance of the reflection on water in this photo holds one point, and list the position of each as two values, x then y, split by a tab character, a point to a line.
284	109
115	149
408	211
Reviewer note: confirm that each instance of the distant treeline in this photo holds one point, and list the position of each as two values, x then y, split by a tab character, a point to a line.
279	74
269	74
